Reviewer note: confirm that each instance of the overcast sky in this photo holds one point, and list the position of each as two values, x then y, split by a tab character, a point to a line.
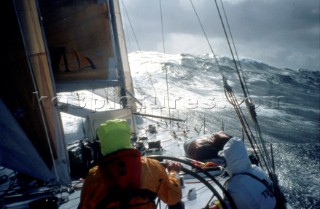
282	33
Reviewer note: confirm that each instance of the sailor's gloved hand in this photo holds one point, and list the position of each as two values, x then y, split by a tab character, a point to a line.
173	166
216	205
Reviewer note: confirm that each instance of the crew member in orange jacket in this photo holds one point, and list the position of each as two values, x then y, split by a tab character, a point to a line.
125	179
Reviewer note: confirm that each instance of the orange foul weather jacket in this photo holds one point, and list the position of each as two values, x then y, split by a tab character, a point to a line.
108	183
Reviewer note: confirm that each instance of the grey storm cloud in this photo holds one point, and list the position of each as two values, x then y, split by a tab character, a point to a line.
284	33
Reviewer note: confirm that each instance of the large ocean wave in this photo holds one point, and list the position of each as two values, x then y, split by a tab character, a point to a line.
287	103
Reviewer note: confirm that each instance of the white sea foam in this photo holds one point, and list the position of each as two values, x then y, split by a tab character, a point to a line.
287	103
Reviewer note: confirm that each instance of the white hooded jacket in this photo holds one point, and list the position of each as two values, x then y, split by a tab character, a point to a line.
247	192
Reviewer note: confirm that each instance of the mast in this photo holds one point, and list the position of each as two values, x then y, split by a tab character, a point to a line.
126	86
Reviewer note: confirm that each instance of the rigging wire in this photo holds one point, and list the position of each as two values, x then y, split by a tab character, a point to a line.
248	101
165	60
266	158
239	69
133	32
205	34
140	51
231	51
232	99
207	39
234	47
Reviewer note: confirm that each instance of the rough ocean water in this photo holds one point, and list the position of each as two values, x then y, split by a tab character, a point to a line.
287	104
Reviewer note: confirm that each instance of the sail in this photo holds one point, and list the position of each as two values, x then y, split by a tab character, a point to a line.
86	44
11	148
51	47
31	125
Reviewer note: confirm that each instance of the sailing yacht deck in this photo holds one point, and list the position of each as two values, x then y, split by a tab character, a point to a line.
171	143
195	193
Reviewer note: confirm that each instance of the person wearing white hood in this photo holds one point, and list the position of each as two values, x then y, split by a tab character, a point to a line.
246	191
